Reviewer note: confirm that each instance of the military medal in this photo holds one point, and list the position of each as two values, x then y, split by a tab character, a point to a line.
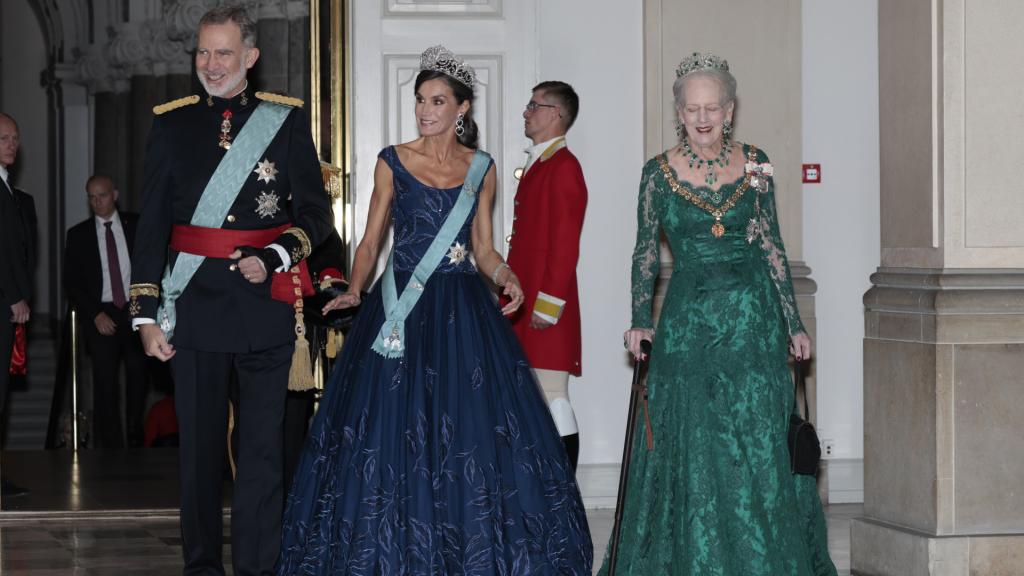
265	171
225	130
267	204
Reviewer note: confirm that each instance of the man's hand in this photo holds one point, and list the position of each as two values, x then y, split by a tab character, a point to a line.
20	312
105	324
154	342
538	323
251	267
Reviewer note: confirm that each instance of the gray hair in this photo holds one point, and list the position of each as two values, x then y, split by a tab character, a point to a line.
236	14
724	78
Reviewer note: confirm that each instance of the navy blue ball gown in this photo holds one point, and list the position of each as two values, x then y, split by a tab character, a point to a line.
444	461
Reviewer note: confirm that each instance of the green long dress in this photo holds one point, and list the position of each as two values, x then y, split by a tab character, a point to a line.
715	496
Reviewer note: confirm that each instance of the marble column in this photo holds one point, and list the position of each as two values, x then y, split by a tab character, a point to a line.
944	338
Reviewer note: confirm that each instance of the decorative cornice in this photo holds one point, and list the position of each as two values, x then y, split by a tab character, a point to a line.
161	46
182	18
125	51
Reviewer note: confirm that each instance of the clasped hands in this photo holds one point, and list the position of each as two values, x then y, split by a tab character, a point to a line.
255	264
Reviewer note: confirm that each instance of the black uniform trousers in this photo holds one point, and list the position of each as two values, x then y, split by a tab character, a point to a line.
107	353
202	382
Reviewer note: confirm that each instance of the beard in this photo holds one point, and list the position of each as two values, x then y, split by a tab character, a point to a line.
230	81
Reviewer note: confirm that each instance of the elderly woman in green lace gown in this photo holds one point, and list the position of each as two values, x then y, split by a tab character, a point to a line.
715	495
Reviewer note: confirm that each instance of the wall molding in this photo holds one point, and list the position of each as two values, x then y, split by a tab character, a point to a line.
845	480
443	8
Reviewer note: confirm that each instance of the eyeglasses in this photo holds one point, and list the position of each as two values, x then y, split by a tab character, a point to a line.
532	106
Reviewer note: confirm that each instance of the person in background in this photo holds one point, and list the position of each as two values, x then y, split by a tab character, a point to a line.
97	272
544	248
17	265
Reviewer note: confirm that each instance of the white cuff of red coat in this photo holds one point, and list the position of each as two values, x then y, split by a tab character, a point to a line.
286	261
548	307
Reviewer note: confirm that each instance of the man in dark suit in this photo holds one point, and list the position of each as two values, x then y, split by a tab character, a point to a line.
17	263
97	270
232	210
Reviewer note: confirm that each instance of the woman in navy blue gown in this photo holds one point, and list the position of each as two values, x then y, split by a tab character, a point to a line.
433	452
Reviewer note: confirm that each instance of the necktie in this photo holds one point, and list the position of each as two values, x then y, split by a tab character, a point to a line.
114	267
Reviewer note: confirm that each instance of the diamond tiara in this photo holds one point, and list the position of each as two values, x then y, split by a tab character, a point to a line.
698	61
440	59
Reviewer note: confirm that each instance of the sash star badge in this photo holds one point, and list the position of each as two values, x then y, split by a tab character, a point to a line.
267	204
457	253
265	171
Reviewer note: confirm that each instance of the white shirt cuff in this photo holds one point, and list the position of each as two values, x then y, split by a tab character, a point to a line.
286	261
136	322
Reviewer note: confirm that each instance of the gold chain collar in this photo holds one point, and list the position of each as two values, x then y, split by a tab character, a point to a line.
717	229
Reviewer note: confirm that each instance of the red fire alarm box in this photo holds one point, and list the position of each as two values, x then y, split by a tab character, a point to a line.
812	173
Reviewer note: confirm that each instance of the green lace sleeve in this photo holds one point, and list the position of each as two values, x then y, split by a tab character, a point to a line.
767	230
646	252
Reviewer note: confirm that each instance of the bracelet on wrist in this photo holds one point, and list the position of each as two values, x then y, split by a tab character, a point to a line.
497	270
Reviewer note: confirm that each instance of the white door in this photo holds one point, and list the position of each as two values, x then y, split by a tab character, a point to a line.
496	37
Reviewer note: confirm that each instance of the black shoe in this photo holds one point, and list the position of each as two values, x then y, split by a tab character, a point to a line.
9	489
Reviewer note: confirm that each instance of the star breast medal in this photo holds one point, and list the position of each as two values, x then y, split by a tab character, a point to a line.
265	171
267	204
457	253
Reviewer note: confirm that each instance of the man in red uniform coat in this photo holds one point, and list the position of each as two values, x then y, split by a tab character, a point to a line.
543	250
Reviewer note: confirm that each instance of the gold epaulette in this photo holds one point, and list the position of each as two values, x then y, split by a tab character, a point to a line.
280	99
168	106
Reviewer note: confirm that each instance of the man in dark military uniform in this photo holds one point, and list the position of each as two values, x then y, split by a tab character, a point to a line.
231	234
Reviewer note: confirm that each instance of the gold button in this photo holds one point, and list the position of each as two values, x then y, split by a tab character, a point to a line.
518	173
233	267
508	239
231	217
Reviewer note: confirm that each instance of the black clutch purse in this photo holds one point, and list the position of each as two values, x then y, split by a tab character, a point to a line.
336	319
804	448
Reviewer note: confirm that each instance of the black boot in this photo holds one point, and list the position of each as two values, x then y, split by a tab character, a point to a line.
572	448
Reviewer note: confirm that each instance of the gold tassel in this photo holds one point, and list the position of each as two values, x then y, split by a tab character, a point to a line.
300	377
334	341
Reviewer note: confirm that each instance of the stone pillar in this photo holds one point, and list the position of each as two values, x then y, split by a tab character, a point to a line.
944	337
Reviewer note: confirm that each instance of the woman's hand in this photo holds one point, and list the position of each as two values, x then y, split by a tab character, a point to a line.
631	340
800	346
514	292
346	300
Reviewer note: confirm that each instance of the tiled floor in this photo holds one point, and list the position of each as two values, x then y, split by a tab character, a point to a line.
151	546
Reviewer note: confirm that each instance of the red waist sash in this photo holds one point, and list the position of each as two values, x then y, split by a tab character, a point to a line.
219	243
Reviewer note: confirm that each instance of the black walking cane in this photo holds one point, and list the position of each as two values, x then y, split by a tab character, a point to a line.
638	394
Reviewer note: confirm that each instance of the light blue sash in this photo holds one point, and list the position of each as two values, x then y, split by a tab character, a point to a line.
218	197
390	343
